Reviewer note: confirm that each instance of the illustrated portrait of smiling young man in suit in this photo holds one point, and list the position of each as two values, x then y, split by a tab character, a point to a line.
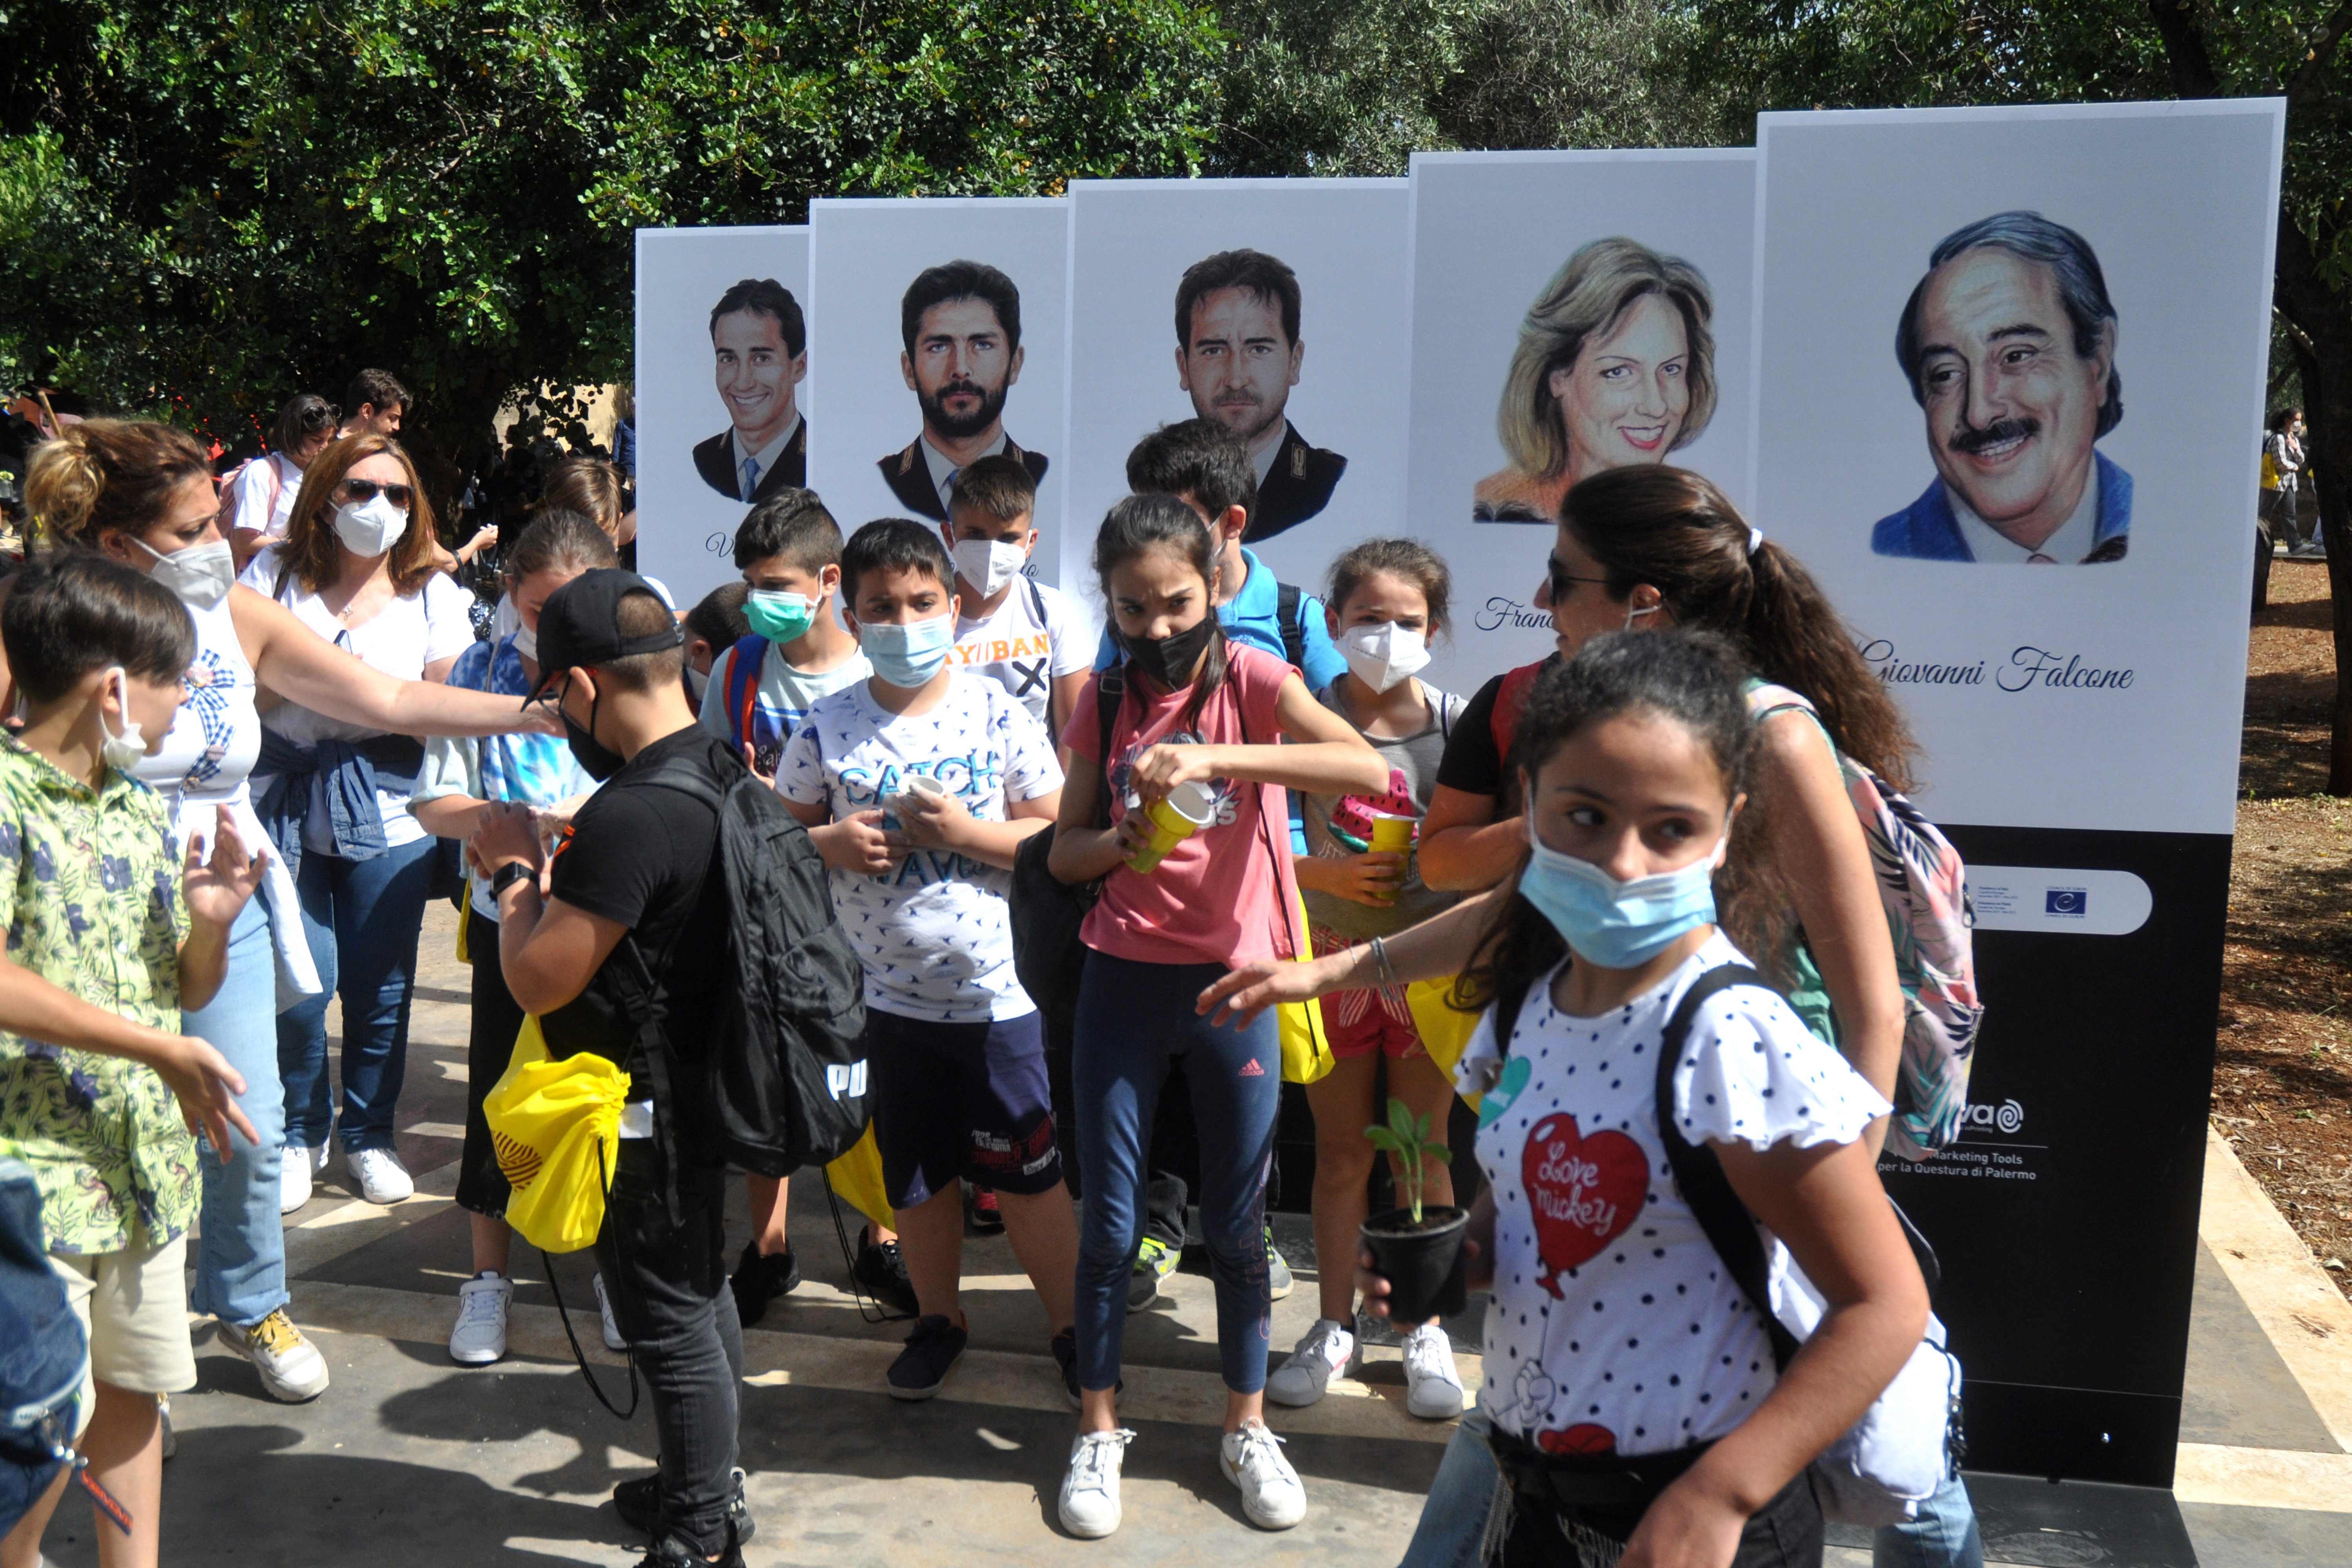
759	346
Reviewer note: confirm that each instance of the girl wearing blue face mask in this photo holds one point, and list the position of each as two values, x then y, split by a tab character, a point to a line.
1629	1381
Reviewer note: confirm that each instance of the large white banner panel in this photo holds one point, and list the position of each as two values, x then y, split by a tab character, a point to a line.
1510	253
1294	297
2081	381
694	392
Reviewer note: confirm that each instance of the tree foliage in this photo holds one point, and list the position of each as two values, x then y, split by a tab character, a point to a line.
208	207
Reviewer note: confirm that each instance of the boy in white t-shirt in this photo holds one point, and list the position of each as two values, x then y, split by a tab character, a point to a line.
918	786
1018	632
789	550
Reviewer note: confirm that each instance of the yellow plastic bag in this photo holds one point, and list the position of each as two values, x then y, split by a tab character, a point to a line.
856	1180
465	918
1305	1048
1445	1029
555	1124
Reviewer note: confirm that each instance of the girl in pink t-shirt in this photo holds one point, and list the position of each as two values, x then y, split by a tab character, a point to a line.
1194	708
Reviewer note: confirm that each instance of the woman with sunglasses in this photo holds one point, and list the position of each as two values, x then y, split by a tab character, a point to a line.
143	494
357	567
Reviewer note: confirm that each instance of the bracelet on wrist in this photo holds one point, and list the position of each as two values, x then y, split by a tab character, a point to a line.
508	875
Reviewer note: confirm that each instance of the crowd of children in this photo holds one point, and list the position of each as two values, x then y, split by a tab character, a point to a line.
1266	804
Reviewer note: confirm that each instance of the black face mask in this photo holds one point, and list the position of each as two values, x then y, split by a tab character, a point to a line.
1169	659
597	760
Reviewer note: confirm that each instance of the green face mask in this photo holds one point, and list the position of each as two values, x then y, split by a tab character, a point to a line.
778	615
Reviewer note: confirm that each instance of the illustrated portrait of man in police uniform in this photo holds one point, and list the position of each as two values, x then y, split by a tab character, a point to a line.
2009	345
960	324
1237	354
759	343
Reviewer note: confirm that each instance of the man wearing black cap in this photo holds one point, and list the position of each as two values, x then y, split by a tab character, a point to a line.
636	864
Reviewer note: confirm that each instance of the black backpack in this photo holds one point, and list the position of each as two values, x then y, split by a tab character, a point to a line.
780	1080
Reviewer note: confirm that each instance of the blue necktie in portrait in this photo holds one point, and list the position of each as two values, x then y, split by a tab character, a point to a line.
750	477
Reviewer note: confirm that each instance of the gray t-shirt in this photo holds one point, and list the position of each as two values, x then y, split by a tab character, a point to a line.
1342	825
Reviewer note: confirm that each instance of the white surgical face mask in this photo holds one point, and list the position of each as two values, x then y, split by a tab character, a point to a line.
527	644
124	751
1385	654
201	574
988	564
372	527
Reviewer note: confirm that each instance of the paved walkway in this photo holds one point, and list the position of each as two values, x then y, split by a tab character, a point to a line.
409	1460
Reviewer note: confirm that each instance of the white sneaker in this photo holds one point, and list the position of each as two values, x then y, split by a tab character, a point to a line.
1252	1459
1433	1385
294	1178
291	1368
479	1337
1090	1491
382	1178
612	1339
1325	1352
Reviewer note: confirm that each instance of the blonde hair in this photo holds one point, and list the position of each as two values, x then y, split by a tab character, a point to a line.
311	548
589	486
105	476
1584	300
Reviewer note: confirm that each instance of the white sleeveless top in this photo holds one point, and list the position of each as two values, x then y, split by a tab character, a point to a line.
206	763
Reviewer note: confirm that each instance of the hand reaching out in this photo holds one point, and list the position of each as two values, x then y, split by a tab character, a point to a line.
218	889
206	1087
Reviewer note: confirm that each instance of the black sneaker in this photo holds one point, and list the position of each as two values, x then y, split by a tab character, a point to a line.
930	1351
882	1270
760	1279
669	1552
638	1503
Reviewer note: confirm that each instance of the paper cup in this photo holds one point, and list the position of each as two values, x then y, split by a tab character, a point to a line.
1176	816
1393	836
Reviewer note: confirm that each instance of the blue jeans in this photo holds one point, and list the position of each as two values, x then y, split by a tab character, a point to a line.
241	1256
1468	1489
363	919
1132	1020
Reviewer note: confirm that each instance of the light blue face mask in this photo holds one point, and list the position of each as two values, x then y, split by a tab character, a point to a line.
1614	924
906	653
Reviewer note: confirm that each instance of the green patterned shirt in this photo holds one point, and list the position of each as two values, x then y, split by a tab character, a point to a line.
90	896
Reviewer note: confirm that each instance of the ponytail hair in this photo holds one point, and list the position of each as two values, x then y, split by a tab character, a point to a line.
1674	530
109	475
1692	677
558	540
1136	527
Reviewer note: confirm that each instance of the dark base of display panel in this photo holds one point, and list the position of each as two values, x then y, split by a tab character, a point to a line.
2067	1524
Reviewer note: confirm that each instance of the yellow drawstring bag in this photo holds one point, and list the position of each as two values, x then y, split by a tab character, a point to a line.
1445	1029
555	1123
1305	1048
465	917
856	1179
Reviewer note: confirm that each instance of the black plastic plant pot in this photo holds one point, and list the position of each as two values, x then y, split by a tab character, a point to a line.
1425	1265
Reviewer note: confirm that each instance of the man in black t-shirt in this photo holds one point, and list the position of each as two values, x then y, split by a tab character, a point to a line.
636	866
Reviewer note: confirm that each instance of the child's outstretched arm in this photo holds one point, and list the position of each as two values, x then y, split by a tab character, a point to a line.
218	891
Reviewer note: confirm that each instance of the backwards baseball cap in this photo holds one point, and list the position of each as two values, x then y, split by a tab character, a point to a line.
580	625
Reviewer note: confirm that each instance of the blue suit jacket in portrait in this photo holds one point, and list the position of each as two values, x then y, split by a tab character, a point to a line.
1927	530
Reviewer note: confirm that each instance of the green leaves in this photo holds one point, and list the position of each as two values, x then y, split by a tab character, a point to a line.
1407	1141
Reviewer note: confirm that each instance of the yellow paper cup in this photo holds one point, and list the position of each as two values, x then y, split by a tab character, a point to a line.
1176	816
1392	836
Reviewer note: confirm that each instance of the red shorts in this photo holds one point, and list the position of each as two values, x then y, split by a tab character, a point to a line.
1359	1023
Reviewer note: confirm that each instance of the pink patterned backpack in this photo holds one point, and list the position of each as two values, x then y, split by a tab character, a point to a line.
1923	886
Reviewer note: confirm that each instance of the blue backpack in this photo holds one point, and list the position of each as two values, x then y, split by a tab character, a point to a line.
43	1353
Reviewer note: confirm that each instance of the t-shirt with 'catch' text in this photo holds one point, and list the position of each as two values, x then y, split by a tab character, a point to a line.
935	933
1615	1326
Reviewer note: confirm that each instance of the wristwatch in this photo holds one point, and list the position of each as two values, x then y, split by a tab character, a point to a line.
508	875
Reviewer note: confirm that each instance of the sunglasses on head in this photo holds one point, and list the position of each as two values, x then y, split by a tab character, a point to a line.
365	490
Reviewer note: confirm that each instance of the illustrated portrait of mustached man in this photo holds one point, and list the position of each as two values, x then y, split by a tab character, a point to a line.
2009	347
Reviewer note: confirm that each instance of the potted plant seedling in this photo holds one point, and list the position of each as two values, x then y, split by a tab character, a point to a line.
1418	1251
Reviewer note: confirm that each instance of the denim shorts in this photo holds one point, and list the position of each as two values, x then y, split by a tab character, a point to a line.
960	1099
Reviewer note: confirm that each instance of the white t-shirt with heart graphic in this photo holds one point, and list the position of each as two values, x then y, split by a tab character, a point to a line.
1615	1325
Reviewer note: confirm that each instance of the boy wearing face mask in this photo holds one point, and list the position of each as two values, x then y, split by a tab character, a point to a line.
789	550
757	694
1016	631
918	786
